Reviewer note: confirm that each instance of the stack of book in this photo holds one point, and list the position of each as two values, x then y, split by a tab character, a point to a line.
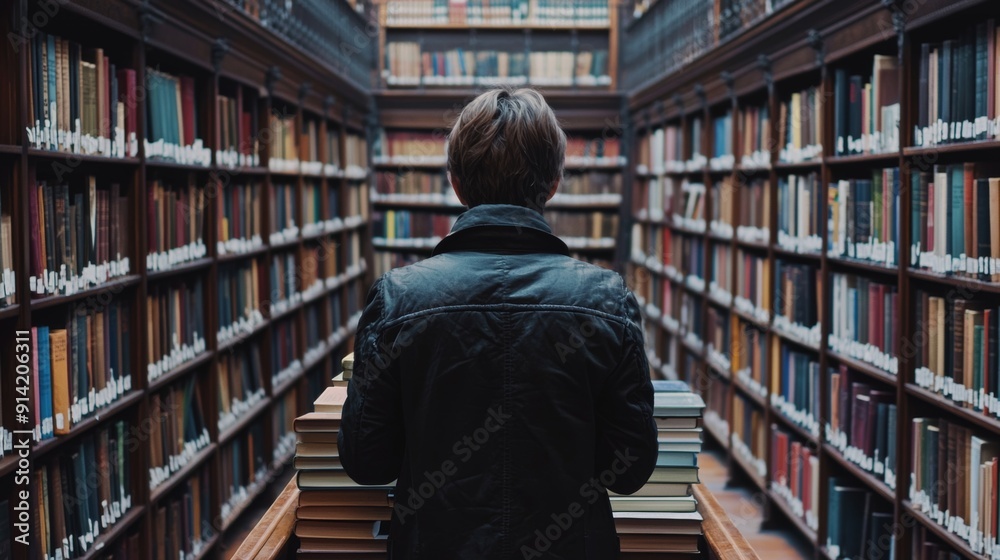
335	515
662	516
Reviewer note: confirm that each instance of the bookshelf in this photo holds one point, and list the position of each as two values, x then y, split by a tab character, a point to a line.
825	363
152	271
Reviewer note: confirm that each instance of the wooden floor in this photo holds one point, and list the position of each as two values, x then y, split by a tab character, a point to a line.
776	539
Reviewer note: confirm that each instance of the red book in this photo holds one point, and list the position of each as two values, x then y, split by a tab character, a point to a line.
126	94
246	146
36	232
187	106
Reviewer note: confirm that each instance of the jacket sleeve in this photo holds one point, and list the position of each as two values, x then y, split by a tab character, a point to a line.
371	438
626	440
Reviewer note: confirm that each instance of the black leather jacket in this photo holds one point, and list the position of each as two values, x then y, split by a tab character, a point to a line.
504	385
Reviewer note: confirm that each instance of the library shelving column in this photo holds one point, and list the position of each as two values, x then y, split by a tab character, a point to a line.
161	335
862	301
434	60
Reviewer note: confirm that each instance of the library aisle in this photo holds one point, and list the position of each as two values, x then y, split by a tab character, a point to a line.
197	195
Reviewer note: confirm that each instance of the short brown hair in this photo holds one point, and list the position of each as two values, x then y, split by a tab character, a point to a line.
506	148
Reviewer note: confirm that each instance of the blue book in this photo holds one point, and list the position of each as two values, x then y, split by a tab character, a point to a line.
44	382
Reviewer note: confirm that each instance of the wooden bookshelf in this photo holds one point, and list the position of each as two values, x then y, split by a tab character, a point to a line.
803	45
262	72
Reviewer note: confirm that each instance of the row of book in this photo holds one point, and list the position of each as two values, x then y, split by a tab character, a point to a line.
243	470
412	146
955	349
78	495
795	386
867	109
239	218
591	151
722	142
954	481
718	339
800	199
83	232
408	64
183	521
795	478
241	384
755	137
800	126
749	357
404	224
753	294
953	227
175	225
176	333
859	523
173	120
863	322
747	436
720	285
498	12
797	291
238	139
945	112
863	217
724	197
862	423
81	367
179	430
81	102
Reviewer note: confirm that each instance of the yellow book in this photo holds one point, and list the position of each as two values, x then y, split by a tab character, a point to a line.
60	381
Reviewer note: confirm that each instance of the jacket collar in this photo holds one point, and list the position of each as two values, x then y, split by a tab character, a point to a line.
501	228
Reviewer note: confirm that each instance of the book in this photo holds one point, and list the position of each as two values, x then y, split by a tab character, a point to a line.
748	437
